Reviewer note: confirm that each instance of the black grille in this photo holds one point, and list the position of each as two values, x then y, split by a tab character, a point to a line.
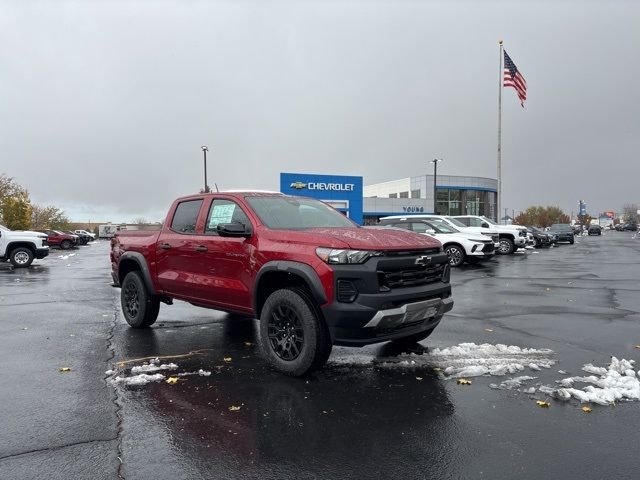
488	248
45	243
409	276
409	253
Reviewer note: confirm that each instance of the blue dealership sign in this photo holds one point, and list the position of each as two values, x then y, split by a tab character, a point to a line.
340	191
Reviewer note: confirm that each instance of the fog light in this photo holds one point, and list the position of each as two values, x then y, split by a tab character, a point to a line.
347	291
474	248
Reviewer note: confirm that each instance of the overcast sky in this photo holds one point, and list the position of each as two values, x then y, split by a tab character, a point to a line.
104	105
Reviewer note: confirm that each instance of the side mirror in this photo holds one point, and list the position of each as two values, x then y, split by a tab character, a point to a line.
233	230
485	225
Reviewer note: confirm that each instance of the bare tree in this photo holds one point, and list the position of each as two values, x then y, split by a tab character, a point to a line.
630	212
139	221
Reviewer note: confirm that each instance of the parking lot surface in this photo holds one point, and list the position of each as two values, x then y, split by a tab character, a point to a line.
357	418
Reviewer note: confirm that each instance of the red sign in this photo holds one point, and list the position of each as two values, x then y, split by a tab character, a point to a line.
610	214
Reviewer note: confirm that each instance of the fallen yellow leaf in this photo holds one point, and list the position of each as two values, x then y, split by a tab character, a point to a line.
227	359
637	346
247	344
488	330
234	408
436	369
586	409
65	369
543	404
464	381
547	289
172	380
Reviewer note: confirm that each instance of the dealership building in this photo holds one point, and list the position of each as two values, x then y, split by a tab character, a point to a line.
455	195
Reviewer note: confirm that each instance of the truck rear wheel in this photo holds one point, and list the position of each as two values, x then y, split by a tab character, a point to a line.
21	257
293	336
65	244
140	308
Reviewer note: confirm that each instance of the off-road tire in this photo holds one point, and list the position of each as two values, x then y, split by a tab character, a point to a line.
65	244
456	255
139	307
412	339
21	257
293	310
506	246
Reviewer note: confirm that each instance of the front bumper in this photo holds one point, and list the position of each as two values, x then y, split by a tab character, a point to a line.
379	313
520	242
42	252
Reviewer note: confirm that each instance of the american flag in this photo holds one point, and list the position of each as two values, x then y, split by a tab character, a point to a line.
513	78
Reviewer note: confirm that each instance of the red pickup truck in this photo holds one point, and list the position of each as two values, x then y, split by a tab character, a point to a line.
310	275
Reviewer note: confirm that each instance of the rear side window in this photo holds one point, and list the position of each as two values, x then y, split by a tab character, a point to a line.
186	216
224	211
401	225
465	221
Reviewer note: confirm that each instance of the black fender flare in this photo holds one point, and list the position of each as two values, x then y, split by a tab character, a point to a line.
306	272
139	259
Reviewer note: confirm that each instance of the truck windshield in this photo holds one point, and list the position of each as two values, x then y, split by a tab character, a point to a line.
489	221
297	213
455	222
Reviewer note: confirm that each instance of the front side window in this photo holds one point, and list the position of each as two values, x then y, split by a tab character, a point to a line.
186	216
297	213
464	220
222	212
404	226
420	227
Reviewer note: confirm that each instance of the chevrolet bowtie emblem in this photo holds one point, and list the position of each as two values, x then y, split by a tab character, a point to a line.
298	185
423	260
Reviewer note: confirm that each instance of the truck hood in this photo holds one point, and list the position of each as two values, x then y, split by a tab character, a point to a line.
30	233
479	230
363	238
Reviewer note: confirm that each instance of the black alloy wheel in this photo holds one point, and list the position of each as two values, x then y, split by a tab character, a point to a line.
286	333
131	302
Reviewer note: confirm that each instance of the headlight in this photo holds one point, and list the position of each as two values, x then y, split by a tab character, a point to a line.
338	256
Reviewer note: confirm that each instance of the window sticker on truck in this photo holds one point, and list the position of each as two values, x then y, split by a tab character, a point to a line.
221	214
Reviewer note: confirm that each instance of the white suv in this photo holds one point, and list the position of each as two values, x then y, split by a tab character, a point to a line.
512	237
459	246
452	222
21	247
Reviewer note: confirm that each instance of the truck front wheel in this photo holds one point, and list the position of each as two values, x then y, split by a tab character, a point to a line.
21	257
140	308
293	336
506	246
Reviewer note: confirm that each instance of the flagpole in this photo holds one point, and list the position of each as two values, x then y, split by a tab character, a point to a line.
500	81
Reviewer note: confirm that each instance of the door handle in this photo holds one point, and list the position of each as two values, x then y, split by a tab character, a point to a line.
165	246
201	248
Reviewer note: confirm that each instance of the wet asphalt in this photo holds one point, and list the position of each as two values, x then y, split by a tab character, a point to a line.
582	301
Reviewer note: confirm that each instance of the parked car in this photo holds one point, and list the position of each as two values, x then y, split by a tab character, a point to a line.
60	239
83	239
563	231
594	229
84	232
511	237
22	247
312	276
451	222
460	247
629	227
577	229
542	238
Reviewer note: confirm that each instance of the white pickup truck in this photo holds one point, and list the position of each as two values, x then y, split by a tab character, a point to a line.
21	247
512	237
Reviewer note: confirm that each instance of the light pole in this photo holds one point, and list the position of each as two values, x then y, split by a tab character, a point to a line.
435	181
205	149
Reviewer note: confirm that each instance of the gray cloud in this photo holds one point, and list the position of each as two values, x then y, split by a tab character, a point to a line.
105	104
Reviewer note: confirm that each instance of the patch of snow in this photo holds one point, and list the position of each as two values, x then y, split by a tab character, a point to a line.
463	360
618	382
512	383
153	367
562	372
201	372
534	366
109	372
138	380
